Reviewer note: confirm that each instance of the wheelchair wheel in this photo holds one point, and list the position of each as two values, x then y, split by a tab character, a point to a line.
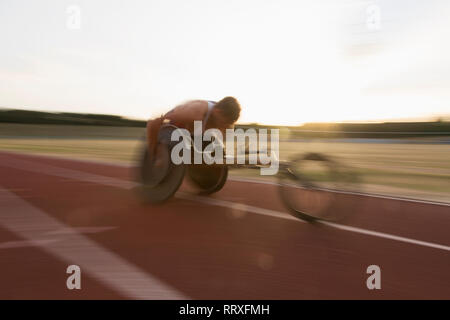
313	188
208	178
160	178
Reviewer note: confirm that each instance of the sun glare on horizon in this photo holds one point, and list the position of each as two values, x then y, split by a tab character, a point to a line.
287	62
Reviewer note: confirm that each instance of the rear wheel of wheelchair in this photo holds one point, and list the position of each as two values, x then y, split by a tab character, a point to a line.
208	178
160	178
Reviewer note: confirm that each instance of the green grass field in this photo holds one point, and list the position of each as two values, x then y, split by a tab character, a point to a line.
411	170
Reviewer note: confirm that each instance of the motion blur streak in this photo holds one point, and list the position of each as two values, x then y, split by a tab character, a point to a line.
88	177
32	223
68	173
282	215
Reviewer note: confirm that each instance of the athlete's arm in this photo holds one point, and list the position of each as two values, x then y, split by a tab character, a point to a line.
153	126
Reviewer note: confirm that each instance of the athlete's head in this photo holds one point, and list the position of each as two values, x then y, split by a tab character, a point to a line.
228	111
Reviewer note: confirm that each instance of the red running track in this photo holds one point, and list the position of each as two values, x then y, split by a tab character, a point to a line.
237	244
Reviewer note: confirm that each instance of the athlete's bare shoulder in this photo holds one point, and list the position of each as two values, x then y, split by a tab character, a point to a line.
189	111
197	105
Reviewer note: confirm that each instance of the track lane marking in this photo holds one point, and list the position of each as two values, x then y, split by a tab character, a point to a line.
371	195
34	225
386	236
119	183
26	165
236	206
236	179
283	215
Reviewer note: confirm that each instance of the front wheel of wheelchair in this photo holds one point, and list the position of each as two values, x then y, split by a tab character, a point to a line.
314	187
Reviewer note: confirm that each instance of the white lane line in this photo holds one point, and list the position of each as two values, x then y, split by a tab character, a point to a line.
34	225
25	243
371	195
283	215
67	230
67	173
83	230
236	206
79	175
386	236
239	179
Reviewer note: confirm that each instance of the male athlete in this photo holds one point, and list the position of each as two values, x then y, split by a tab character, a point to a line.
219	115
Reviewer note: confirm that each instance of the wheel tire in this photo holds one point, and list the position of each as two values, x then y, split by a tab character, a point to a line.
289	180
168	184
208	178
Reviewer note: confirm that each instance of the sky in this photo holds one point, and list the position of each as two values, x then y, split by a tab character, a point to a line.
287	62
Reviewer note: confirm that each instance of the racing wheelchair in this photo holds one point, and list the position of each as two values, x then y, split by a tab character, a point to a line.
310	185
